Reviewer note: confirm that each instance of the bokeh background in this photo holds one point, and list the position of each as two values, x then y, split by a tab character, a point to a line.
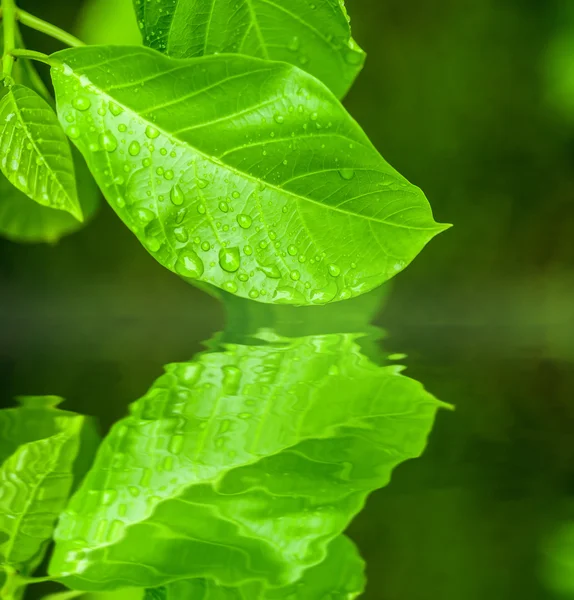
472	100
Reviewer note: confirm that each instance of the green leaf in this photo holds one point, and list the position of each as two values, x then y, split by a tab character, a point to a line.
23	220
242	465
340	575
35	155
108	22
245	174
39	446
314	36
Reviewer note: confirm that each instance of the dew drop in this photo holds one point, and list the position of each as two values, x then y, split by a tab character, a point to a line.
134	148
108	141
205	246
230	286
81	103
202	183
229	259
151	132
347	174
73	132
176	195
201	209
334	270
248	250
189	264
293	44
279	118
295	275
271	271
223	206
181	234
122	127
253	294
244	221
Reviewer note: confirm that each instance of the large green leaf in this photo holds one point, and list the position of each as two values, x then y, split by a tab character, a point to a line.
312	35
39	447
35	155
245	174
23	220
340	575
241	465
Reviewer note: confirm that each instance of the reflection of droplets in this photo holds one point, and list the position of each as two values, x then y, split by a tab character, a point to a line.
189	264
229	259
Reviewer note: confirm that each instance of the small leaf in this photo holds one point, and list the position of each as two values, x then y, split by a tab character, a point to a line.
314	36
38	450
242	465
25	221
245	174
340	575
35	155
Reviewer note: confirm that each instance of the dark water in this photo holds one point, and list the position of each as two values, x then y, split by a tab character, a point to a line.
463	98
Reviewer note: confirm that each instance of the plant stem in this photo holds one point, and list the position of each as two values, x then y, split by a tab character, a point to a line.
34	76
9	28
40	25
32	55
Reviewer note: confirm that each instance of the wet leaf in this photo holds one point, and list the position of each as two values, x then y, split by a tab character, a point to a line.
35	155
242	465
314	36
245	174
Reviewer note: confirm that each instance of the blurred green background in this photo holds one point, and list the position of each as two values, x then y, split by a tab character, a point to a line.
474	102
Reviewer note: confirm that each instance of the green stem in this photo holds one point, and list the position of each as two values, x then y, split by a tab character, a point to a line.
34	76
9	28
40	25
33	55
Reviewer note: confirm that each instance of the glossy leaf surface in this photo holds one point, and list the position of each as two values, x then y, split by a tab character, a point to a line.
340	575
314	36
241	466
35	155
245	174
38	449
23	220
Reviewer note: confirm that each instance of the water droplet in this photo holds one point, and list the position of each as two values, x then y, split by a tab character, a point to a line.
271	271
292	250
168	175
151	132
243	277
153	244
231	381
181	234
295	275
73	132
109	496
230	286
159	171
189	264
235	195
248	250
353	57
108	141
81	103
202	183
201	209
293	44
134	148
253	294
223	206
205	246
145	216
146	162
176	195
314	116
287	295
279	118
334	270
122	127
229	259
244	221
347	174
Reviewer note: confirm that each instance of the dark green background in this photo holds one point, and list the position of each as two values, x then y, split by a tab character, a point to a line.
469	99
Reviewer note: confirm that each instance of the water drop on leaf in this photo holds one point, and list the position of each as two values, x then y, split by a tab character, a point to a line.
151	132
81	103
189	264
176	195
134	148
347	174
108	141
244	221
229	259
